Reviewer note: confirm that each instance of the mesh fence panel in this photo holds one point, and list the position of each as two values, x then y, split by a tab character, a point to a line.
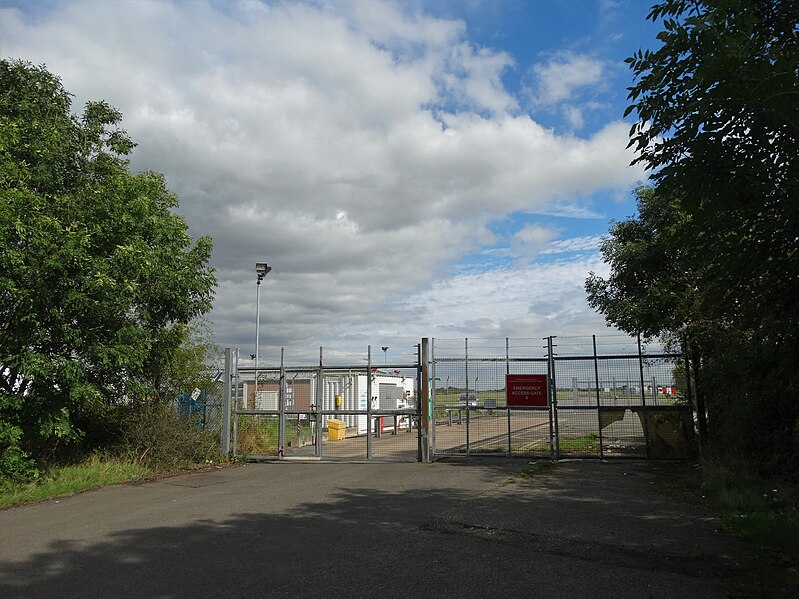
612	398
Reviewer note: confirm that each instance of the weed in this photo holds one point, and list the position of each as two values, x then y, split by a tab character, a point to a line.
257	435
532	470
587	443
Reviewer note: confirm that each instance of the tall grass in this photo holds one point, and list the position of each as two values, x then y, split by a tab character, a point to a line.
257	435
98	471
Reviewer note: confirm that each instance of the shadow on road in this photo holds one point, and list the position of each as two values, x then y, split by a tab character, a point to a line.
567	531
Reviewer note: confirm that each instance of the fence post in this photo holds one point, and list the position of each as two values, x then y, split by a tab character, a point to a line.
236	400
598	403
281	406
645	419
320	398
369	402
507	409
466	367
432	391
226	405
424	401
553	387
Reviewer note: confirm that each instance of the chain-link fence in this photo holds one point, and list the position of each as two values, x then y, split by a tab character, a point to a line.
605	397
334	409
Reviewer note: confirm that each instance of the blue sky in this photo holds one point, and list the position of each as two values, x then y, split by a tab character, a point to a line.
424	168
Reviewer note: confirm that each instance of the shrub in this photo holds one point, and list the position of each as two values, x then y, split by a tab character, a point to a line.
15	464
157	436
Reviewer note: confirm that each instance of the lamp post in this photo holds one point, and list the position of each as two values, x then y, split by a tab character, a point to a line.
385	349
261	269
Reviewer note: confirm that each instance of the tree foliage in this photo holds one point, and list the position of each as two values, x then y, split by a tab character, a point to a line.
718	108
711	257
96	269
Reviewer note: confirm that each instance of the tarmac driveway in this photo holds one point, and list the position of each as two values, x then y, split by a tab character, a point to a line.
447	529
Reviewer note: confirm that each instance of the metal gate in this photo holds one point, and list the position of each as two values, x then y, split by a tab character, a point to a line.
605	397
337	411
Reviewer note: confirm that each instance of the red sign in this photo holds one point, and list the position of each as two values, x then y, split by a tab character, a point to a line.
526	390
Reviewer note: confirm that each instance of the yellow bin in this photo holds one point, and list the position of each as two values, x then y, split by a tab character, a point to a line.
336	429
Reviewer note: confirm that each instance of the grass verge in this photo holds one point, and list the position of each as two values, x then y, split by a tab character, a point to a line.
763	514
60	481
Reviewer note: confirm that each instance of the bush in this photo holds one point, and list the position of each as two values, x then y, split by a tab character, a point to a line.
157	436
15	464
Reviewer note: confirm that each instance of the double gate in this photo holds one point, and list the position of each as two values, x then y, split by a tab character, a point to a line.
606	399
325	411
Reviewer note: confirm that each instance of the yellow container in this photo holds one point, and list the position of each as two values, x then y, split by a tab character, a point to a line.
336	430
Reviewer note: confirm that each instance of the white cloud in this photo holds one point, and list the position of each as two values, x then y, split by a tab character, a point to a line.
357	148
558	79
575	244
533	301
574	115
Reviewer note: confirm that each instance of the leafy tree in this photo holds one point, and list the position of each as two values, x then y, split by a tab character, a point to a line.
95	267
718	108
184	358
711	257
652	288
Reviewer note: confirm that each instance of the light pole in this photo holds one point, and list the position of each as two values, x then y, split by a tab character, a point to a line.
261	269
385	349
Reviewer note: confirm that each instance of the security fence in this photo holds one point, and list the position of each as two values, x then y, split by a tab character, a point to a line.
554	397
604	397
203	406
325	411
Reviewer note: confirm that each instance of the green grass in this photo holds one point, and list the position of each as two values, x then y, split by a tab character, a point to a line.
61	481
257	435
589	442
762	514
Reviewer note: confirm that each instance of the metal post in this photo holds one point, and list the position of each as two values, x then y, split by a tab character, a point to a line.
466	363
549	399
645	419
418	402
236	401
507	409
598	405
433	396
369	402
261	270
320	398
688	390
281	406
226	407
257	334
424	421
554	391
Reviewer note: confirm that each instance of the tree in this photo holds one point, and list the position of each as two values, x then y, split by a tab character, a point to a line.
718	127
95	267
652	288
185	358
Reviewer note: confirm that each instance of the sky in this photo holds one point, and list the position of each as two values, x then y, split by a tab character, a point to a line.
427	168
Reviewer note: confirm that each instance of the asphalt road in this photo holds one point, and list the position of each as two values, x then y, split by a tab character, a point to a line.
448	529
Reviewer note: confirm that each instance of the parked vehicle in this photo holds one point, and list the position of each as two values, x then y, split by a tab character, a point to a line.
470	401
